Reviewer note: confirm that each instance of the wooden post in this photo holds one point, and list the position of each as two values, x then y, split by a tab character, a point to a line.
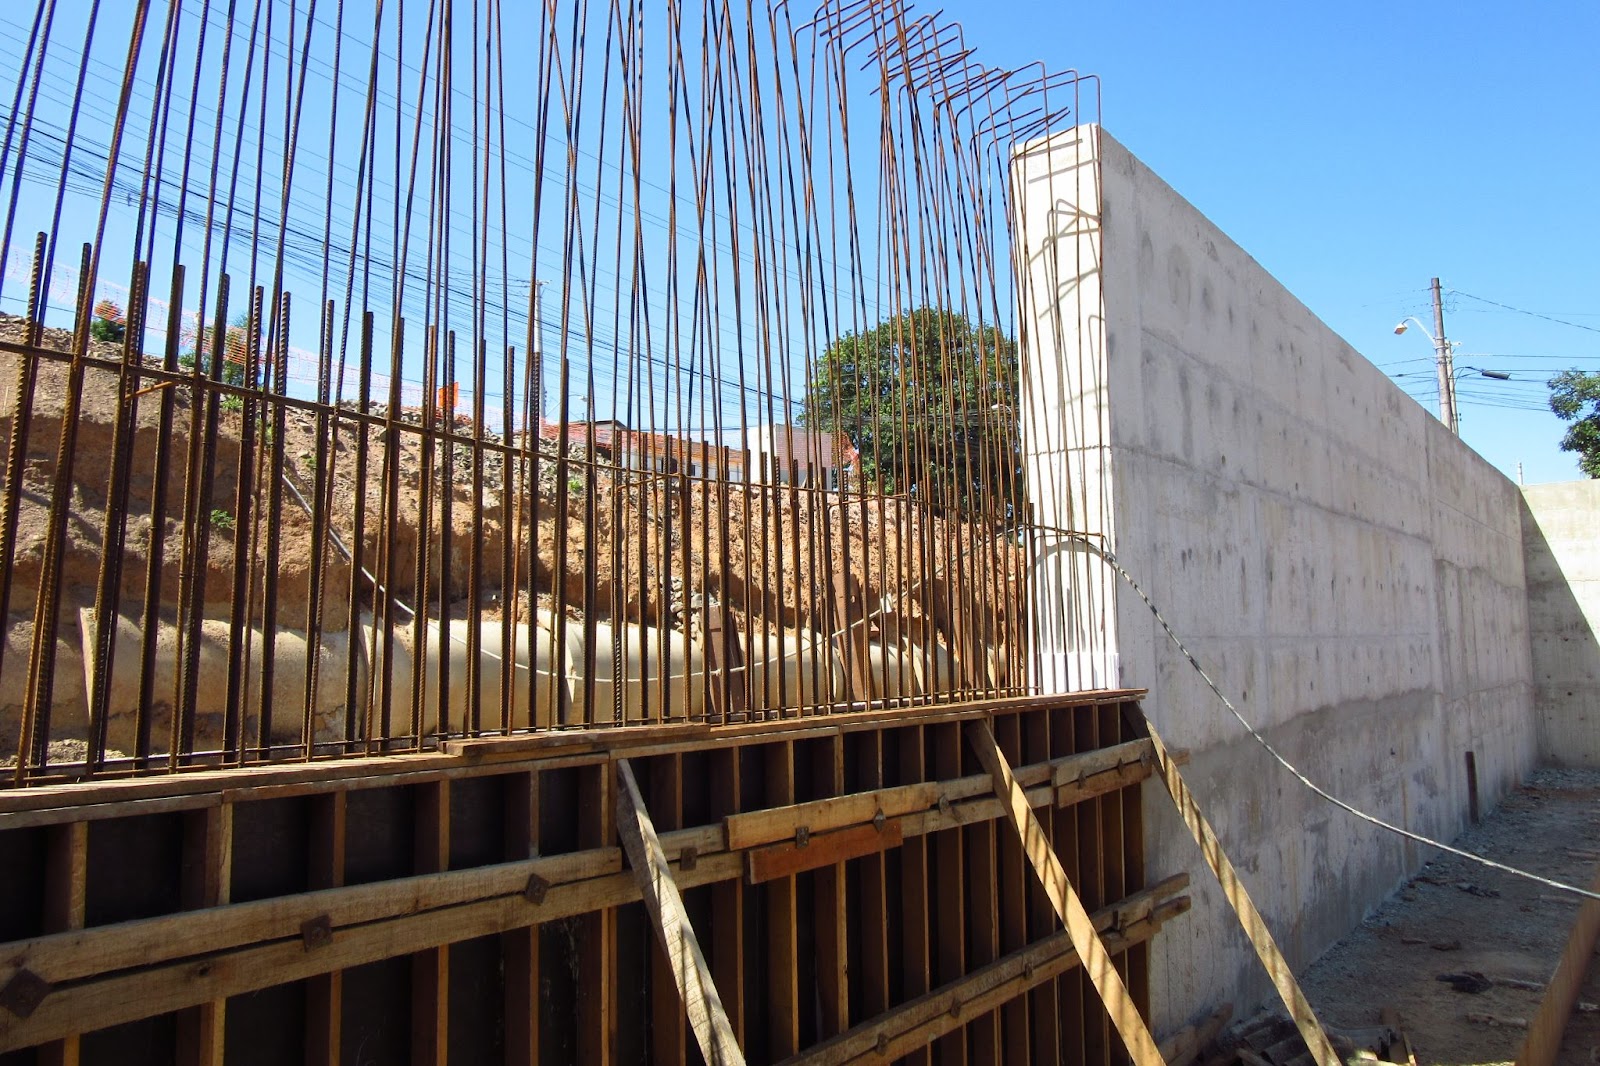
520	947
430	969
66	908
707	1018
208	842
325	992
1561	994
1305	1019
1080	927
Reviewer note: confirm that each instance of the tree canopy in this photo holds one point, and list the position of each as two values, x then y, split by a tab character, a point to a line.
1575	398
930	402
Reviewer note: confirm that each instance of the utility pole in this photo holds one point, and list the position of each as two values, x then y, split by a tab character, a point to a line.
1447	379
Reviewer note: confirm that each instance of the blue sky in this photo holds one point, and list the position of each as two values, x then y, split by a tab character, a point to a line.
1358	149
1355	150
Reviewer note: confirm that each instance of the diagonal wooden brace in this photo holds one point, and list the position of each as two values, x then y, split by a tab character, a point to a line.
1068	906
1305	1019
707	1018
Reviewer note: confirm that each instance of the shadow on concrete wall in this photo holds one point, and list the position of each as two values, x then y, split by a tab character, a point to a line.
1562	558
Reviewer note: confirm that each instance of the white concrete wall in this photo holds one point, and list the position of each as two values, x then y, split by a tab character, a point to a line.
1349	572
1561	541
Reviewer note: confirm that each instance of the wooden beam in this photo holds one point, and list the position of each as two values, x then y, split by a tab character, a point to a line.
66	892
1546	1027
208	845
786	860
79	801
325	869
915	1023
1255	927
707	1018
1086	940
520	947
430	969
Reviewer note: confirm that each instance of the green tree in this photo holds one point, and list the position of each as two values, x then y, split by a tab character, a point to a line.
1575	398
930	403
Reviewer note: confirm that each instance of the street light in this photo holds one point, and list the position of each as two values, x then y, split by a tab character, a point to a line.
1441	350
1498	375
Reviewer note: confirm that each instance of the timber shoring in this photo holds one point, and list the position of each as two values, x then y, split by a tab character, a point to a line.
439	939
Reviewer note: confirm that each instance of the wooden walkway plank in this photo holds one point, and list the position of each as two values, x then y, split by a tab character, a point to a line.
1080	928
1249	917
707	1018
1547	1027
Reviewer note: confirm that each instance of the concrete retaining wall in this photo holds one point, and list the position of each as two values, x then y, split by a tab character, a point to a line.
1561	542
1348	571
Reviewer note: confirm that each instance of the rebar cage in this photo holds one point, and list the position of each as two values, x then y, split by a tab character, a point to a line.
380	374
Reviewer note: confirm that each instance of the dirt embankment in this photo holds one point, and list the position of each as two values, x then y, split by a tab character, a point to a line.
627	544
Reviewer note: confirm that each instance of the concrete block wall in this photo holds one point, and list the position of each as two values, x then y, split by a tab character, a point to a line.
1561	540
1347	570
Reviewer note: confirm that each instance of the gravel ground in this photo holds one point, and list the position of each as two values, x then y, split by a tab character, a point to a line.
1457	917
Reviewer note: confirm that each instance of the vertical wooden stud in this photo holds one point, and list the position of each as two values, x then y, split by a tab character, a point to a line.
949	865
1044	1002
874	901
832	948
430	970
325	992
66	907
520	947
916	947
597	932
208	858
1012	891
783	949
727	898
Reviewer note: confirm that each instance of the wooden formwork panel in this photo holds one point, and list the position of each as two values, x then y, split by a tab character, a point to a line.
853	882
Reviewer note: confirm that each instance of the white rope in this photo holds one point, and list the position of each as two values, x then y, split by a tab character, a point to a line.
1111	561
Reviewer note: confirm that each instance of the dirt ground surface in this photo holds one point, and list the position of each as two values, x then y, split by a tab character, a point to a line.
1457	917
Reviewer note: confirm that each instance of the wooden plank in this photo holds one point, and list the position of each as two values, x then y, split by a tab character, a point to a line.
707	1018
913	1024
950	916
786	860
208	849
782	978
873	904
66	896
520	947
668	1033
780	823
430	968
830	919
597	925
1085	938
1044	1014
108	949
1074	777
325	869
254	945
1546	1027
728	898
1255	927
105	950
1012	888
71	801
916	948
